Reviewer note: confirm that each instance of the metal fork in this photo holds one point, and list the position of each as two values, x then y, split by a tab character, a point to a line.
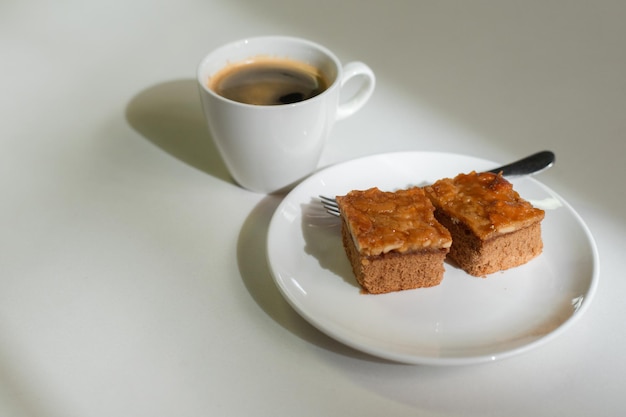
529	165
330	204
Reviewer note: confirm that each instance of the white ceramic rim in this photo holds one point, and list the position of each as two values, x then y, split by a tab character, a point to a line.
203	73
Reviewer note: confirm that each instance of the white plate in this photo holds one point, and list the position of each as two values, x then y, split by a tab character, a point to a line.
463	320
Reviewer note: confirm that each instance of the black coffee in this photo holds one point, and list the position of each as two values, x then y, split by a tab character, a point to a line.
269	81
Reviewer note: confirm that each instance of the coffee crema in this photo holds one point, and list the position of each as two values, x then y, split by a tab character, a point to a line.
268	81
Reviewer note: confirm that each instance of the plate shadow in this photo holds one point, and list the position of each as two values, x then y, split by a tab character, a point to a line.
256	276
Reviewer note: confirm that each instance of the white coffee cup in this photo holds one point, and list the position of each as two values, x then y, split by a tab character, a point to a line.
269	148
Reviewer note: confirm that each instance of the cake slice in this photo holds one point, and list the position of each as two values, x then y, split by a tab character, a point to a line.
392	239
492	227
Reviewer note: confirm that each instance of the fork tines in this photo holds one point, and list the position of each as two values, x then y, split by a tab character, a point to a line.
330	204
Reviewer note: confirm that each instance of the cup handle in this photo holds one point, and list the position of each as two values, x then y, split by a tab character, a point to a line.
360	97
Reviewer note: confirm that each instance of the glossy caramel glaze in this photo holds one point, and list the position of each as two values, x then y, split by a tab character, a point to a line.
400	221
485	202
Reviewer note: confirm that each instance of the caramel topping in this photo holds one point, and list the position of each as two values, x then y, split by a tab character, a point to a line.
485	202
399	221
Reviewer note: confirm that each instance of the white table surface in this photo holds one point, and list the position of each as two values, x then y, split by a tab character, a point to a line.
133	279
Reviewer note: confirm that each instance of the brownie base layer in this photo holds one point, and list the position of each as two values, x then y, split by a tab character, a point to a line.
482	257
394	271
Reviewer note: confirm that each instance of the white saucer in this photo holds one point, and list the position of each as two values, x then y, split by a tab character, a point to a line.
463	320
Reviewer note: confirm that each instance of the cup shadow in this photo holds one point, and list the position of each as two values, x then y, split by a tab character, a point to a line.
256	276
170	116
